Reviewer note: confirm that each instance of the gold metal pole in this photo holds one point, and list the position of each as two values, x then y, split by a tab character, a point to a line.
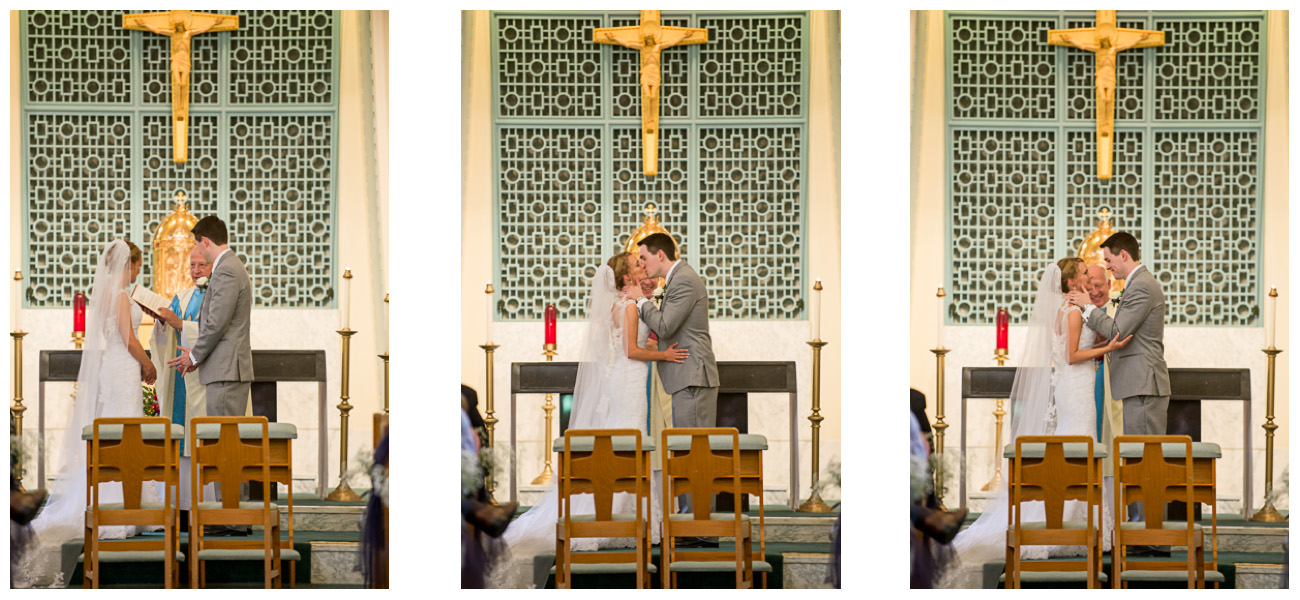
18	409
490	421
939	425
344	493
384	357
545	477
814	503
1268	514
999	412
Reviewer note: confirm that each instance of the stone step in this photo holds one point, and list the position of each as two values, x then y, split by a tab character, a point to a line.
335	562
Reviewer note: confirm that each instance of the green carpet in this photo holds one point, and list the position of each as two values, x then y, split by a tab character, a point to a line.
1227	566
723	580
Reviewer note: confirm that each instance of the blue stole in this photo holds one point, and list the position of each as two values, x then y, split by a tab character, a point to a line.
178	384
1099	390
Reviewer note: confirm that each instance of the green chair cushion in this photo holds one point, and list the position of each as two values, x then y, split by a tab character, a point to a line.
242	505
622	443
1064	525
613	517
1035	450
1056	576
148	432
250	431
1199	450
121	505
712	517
131	556
715	566
606	568
1143	575
247	554
748	441
1174	525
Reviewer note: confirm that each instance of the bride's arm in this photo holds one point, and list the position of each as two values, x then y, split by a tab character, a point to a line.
635	352
1077	356
147	370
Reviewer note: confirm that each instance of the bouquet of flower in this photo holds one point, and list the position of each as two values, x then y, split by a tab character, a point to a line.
150	401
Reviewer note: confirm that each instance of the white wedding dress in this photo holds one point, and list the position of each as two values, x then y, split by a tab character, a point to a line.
1045	374
108	385
610	394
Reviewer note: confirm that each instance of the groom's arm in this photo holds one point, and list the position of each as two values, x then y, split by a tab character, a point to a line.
223	293
1137	305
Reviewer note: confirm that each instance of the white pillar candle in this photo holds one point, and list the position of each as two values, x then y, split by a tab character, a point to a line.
347	297
487	291
817	311
16	302
388	326
1270	318
939	296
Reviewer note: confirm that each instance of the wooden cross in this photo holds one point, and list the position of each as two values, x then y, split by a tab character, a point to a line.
649	38
1105	41
180	26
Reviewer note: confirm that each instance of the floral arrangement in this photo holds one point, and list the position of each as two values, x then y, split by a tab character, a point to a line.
1115	297
150	401
201	283
659	293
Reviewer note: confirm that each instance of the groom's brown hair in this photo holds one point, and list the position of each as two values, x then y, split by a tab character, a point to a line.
660	241
1122	240
211	227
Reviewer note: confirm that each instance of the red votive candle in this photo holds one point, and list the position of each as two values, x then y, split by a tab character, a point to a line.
551	313
79	313
1004	320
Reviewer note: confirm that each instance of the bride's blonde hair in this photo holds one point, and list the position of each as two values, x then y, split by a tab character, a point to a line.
622	266
1071	267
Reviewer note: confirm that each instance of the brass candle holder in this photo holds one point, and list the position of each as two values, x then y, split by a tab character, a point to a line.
545	477
1001	356
18	409
814	503
939	425
490	421
344	493
1269	514
384	357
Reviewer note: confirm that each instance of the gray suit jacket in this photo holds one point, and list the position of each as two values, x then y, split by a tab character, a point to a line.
683	319
1139	368
223	347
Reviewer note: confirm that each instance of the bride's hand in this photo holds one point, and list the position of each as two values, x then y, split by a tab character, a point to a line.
675	354
1115	344
149	373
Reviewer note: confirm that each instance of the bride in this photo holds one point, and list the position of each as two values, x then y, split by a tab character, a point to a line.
1052	395
113	363
610	393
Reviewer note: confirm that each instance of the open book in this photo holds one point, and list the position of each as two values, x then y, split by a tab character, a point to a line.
146	298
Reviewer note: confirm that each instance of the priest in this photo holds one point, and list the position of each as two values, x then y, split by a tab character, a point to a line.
183	398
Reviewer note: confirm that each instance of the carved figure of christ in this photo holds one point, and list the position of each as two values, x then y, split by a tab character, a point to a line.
1105	41
649	39
180	26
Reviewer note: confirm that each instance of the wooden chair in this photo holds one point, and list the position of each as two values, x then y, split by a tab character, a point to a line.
1154	470
703	471
751	481
1054	469
602	462
223	454
132	451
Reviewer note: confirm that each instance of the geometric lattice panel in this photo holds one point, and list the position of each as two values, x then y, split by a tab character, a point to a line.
731	157
98	157
1187	159
1206	225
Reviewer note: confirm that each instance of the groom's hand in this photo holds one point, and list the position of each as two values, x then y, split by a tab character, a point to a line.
182	363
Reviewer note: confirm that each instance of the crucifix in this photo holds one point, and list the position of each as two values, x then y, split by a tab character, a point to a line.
649	38
1105	41
180	26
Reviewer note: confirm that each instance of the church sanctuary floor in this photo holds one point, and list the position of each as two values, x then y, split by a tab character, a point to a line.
798	548
1251	556
326	534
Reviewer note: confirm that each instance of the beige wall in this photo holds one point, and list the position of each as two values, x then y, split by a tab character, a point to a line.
1185	346
823	239
358	249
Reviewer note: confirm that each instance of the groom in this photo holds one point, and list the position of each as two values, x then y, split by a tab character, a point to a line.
683	319
1138	371
222	347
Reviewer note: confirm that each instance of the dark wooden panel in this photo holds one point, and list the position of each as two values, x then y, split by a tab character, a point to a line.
268	365
740	377
1184	384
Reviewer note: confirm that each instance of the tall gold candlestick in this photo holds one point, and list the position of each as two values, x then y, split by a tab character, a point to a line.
490	421
344	493
1268	514
814	503
384	356
18	409
939	425
999	412
545	477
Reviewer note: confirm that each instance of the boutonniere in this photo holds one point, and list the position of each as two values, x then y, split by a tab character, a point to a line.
659	293
201	283
1115	297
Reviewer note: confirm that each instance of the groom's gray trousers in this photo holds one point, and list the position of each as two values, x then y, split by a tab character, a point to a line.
695	407
1145	415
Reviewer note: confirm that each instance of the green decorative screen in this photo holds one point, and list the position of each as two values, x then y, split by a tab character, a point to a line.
97	147
732	157
1188	159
